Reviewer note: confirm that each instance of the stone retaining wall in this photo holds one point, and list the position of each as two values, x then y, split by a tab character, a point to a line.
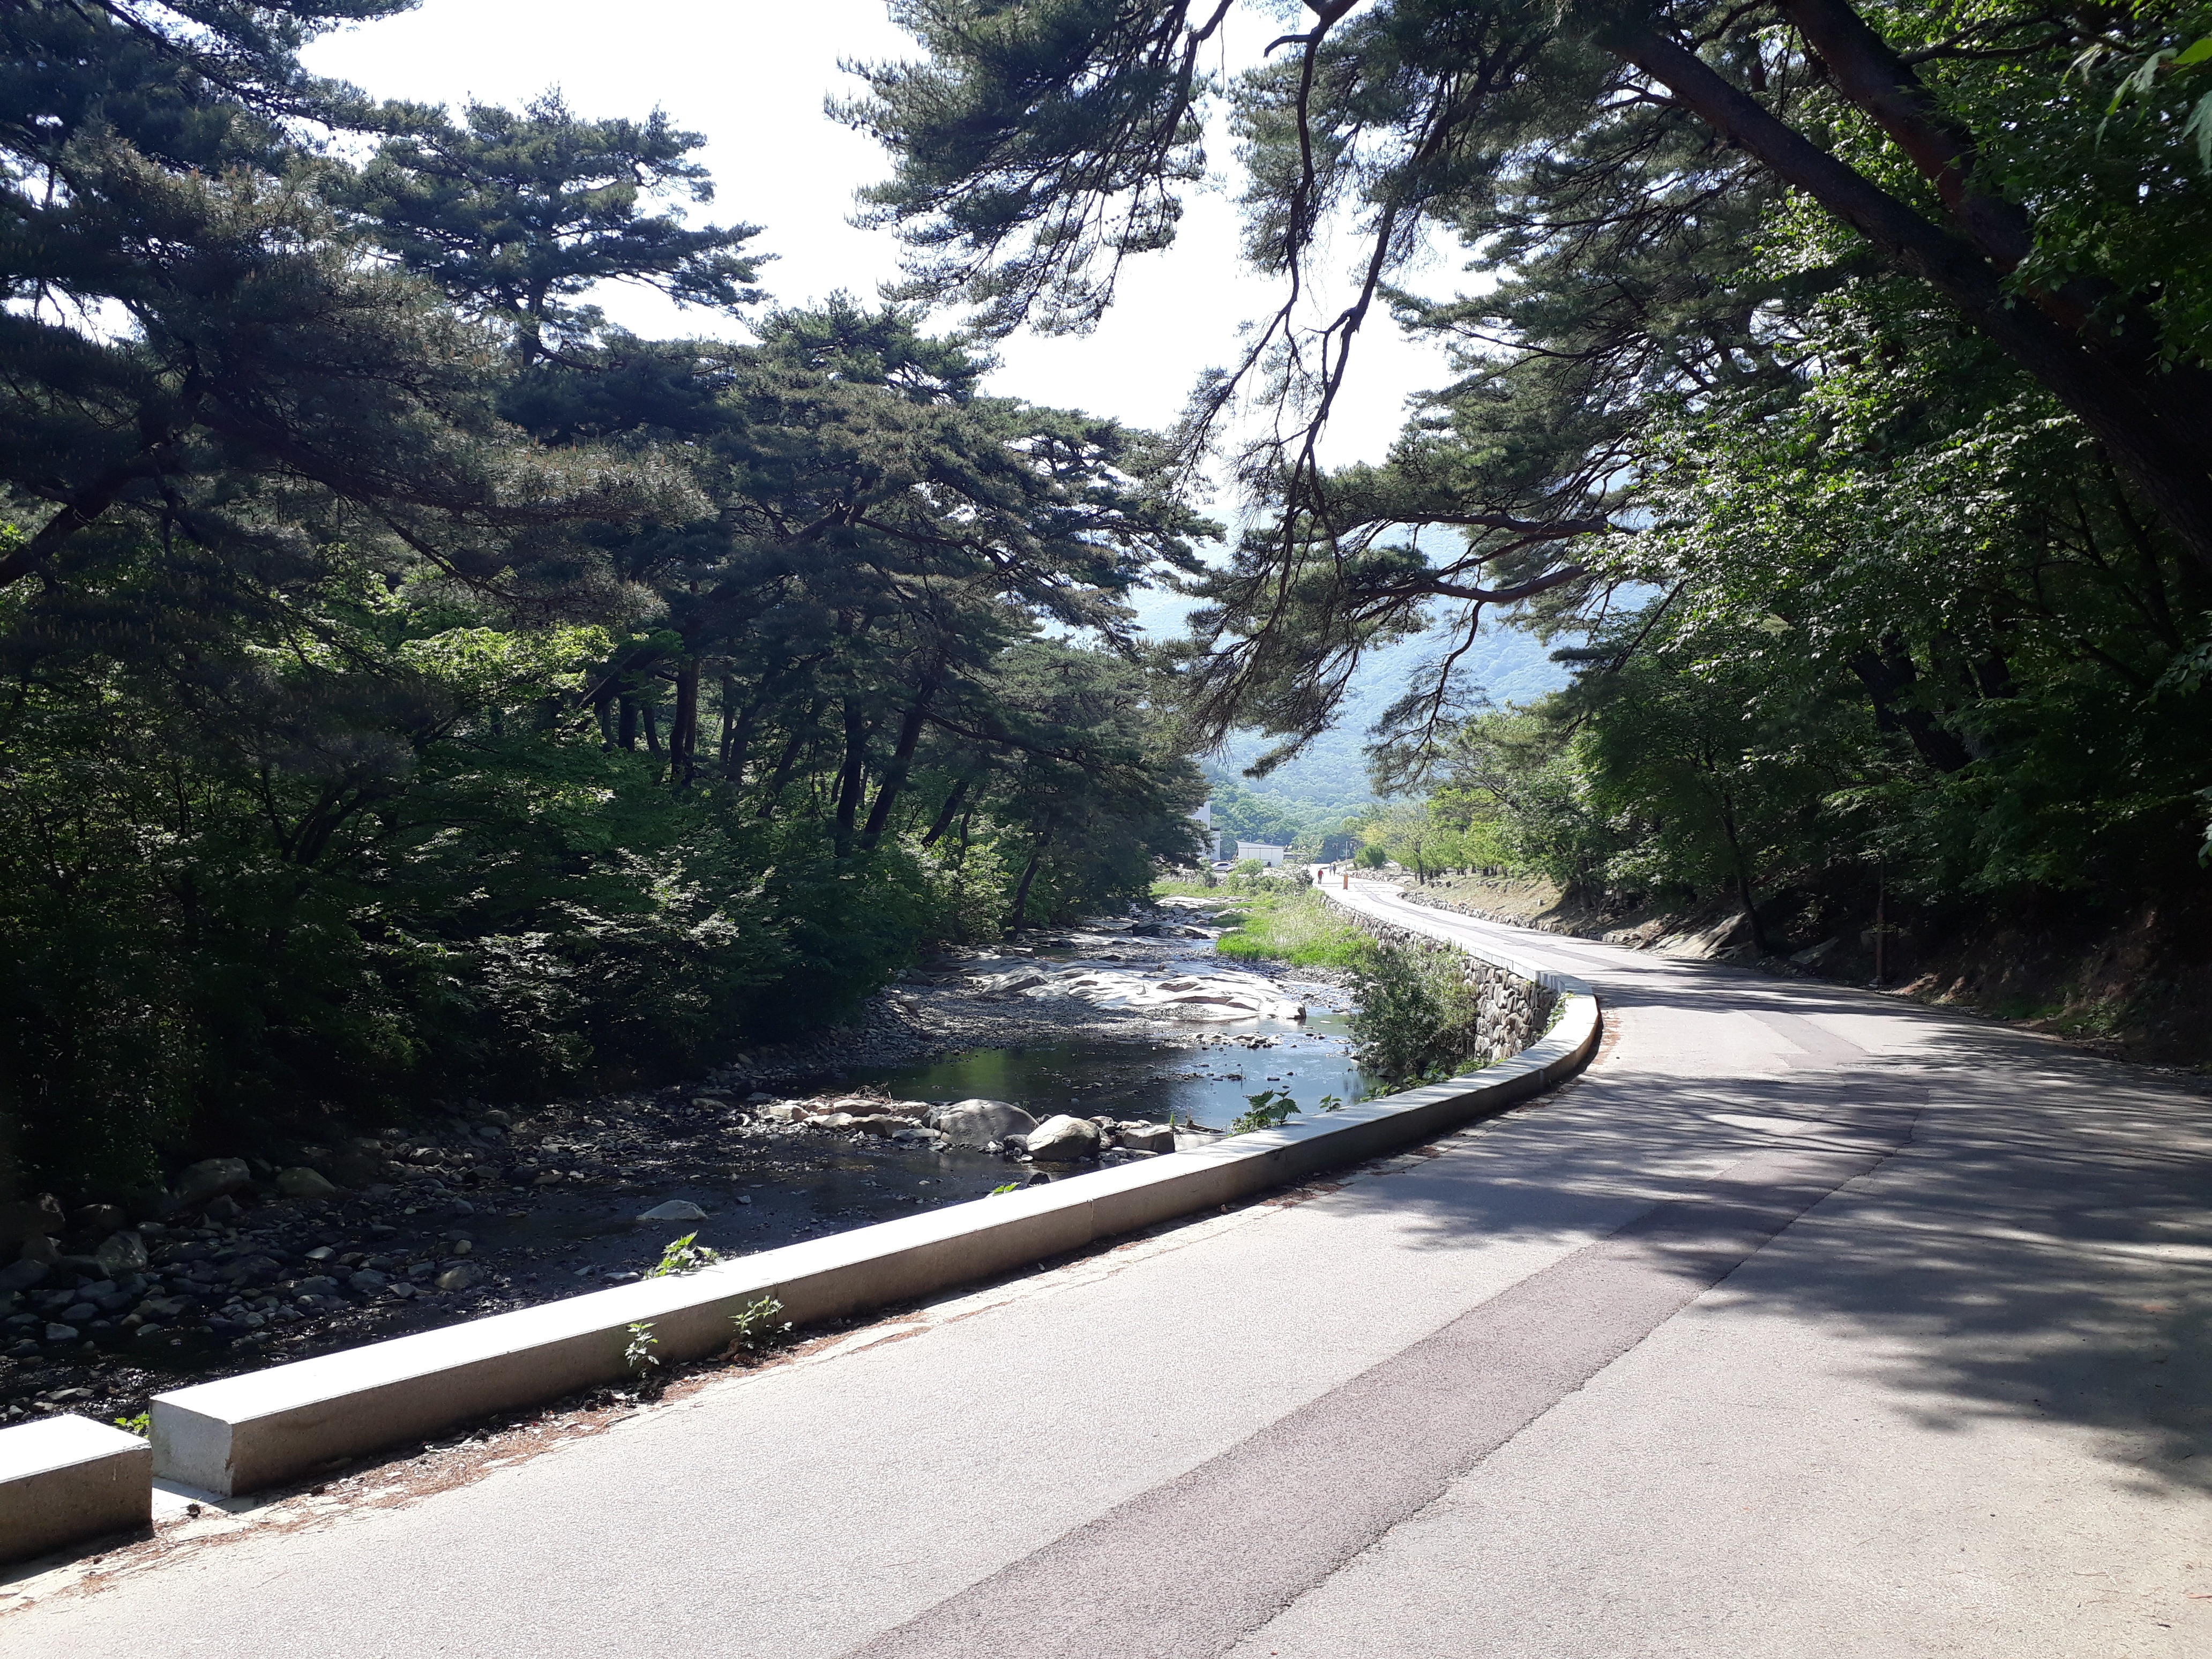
1514	1012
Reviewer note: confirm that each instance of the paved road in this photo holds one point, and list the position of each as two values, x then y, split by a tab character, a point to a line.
1803	1323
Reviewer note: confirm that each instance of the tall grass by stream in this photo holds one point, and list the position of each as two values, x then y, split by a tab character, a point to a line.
1277	920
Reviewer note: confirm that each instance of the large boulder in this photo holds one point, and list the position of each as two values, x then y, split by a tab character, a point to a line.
300	1182
21	1276
32	1217
978	1123
1064	1140
254	1270
1145	1137
120	1253
211	1179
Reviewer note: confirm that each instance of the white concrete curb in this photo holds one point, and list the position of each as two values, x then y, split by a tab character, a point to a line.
63	1479
269	1427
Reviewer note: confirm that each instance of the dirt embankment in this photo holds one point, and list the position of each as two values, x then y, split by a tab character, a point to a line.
2137	987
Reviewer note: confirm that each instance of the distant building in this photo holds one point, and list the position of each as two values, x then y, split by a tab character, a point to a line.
1269	855
1212	836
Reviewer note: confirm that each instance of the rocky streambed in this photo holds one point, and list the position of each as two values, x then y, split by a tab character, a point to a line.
1056	1054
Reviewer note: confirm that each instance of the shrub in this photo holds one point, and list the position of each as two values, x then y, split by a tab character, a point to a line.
1418	1017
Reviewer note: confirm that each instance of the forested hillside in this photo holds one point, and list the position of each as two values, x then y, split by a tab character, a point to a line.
1833	385
414	684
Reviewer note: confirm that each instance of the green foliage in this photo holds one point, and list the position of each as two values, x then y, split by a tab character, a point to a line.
639	1355
141	1425
683	1255
1418	1019
759	1327
1268	1109
520	214
1274	818
415	686
1830	389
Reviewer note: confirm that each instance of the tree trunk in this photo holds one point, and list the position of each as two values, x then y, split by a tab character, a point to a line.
1743	879
901	764
1020	912
2123	404
627	735
800	730
945	814
683	726
1886	674
853	776
652	716
738	742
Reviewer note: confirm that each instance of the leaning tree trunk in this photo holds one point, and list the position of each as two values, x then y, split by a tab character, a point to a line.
787	762
899	765
1743	879
946	813
1020	912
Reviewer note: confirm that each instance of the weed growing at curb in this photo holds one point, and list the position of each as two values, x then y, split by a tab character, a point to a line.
1268	1109
755	1330
683	1256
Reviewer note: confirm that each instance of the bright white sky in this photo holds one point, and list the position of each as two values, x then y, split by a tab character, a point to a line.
752	77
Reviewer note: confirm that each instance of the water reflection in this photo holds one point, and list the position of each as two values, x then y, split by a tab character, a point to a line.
1206	1085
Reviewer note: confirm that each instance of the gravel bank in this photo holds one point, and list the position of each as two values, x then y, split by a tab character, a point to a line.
423	1224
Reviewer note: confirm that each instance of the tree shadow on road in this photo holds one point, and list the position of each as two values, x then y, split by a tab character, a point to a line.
2039	1247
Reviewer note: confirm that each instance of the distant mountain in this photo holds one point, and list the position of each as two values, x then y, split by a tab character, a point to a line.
1326	780
1331	770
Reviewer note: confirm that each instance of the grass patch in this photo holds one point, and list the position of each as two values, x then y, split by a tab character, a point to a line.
1296	927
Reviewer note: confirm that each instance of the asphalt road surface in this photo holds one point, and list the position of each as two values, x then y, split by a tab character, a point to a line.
1805	1322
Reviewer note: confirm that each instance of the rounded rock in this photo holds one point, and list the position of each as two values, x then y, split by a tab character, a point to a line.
1064	1140
675	1209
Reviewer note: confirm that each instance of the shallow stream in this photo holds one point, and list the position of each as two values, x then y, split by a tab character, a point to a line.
610	1159
1090	1077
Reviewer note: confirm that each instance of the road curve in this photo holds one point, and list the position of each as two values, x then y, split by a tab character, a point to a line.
1806	1323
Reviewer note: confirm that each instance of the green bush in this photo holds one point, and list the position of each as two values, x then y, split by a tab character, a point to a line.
1417	1017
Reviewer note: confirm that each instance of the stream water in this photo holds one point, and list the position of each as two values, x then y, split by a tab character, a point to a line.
1206	1086
618	1157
